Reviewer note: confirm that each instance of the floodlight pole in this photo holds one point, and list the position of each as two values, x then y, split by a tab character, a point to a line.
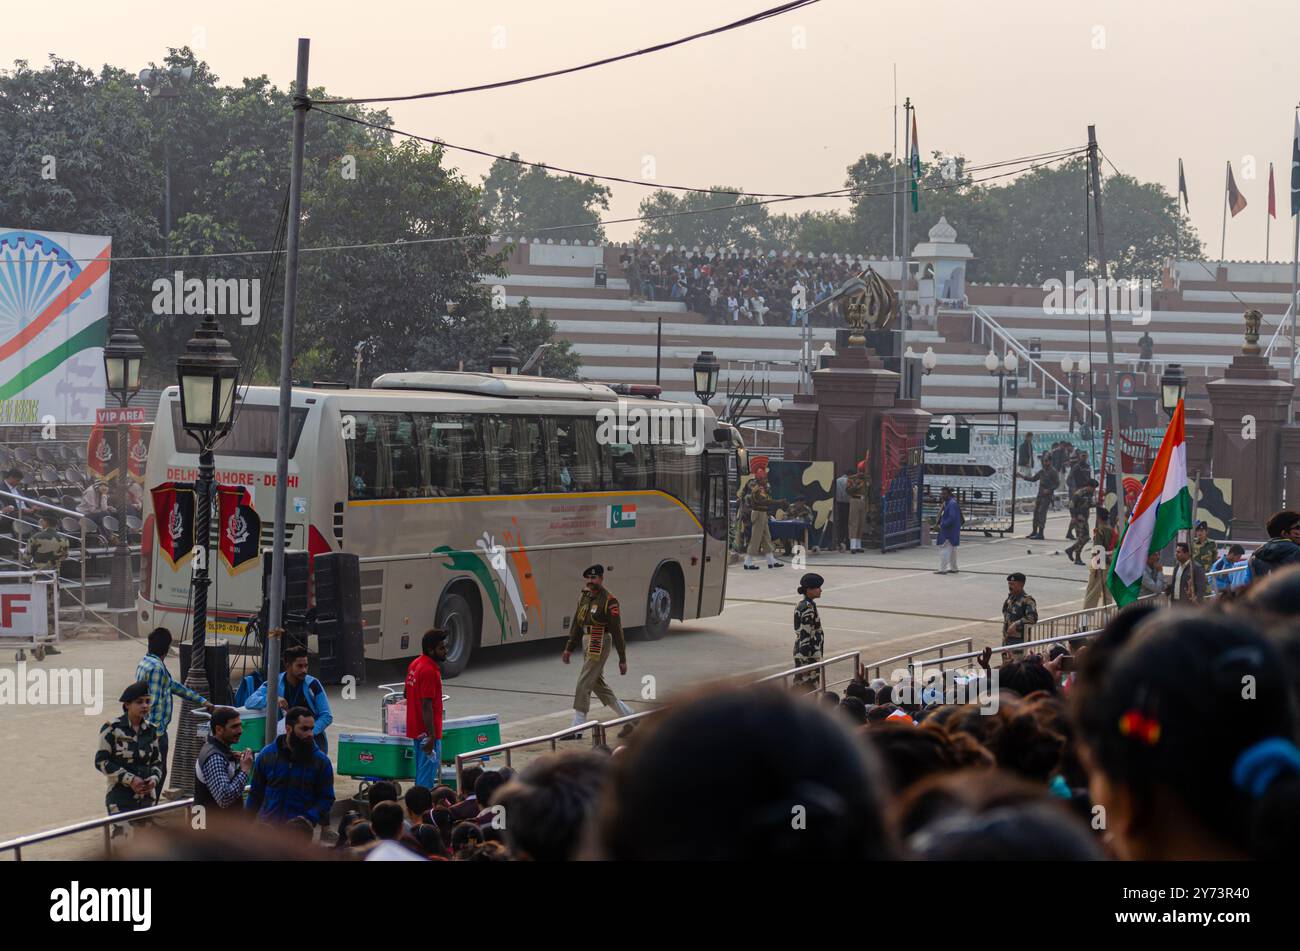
276	594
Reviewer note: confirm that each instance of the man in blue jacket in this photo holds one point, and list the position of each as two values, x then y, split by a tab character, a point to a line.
299	689
949	536
291	777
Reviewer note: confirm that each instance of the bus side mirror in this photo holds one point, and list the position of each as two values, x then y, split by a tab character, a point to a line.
722	435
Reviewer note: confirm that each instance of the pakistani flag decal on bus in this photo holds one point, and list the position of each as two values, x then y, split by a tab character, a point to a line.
622	516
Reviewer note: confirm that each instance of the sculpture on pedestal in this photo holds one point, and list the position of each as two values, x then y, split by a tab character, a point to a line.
869	301
1253	319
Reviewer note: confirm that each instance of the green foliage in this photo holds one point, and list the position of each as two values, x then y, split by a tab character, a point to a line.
691	219
229	155
524	200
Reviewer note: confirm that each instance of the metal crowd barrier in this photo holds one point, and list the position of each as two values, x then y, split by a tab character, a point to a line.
37	505
17	845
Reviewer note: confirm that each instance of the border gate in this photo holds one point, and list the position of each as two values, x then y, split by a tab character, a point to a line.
979	465
902	483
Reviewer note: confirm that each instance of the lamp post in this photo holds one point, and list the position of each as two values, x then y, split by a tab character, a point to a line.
122	357
1173	387
706	369
504	361
1001	369
1075	372
207	371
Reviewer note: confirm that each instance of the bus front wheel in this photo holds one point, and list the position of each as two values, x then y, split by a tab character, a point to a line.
456	617
658	608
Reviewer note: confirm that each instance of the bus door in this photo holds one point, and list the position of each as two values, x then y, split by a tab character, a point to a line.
713	556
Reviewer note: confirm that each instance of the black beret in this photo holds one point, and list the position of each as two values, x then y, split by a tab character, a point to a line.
1016	576
595	571
810	580
134	692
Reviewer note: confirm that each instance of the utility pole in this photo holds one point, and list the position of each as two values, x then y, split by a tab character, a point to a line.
1112	384
907	224
894	224
276	607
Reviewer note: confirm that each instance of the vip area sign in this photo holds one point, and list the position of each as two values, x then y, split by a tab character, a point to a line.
53	322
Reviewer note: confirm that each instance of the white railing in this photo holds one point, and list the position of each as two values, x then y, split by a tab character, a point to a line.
985	331
1277	331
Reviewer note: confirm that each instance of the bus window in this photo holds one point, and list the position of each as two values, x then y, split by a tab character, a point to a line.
383	457
403	455
516	453
363	458
453	453
628	466
678	473
254	435
575	457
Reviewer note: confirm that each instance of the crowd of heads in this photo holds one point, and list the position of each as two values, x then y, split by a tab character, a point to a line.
1170	734
757	289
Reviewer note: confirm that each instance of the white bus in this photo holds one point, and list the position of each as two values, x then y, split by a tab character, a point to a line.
474	503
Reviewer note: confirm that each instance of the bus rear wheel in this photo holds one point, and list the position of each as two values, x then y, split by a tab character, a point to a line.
456	617
658	608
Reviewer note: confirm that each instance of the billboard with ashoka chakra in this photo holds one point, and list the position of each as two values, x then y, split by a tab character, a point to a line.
53	323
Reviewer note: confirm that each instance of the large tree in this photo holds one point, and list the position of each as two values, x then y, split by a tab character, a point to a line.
528	201
706	219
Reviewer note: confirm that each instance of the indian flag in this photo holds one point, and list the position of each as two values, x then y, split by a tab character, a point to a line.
1163	509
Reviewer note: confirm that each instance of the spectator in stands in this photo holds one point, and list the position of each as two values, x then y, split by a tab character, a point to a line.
468	807
95	499
152	669
299	689
1282	547
386	820
1039	831
910	754
292	776
220	772
1189	577
431	843
1233	558
12	505
1153	576
381	791
798	785
551	802
463	836
417	803
360	834
1186	763
485	789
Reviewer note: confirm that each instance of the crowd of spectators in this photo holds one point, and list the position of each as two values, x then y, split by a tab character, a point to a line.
1171	735
757	289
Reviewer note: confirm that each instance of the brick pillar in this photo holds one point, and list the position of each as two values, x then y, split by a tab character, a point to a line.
1290	440
851	393
1250	388
799	428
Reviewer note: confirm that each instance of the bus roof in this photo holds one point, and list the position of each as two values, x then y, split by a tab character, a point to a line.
490	384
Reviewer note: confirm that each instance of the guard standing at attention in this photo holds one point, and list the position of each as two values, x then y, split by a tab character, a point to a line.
808	638
857	490
1019	610
598	618
760	532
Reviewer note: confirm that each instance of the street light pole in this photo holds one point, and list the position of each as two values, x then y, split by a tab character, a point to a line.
122	357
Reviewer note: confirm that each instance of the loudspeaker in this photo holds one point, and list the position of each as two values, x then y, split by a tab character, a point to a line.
338	586
296	575
216	660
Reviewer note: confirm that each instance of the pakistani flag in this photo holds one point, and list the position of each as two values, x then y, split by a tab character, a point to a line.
914	160
1295	169
1163	509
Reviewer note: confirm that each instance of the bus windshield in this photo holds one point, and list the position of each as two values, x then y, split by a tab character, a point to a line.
252	436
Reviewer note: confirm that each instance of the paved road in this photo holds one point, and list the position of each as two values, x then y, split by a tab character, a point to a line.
882	604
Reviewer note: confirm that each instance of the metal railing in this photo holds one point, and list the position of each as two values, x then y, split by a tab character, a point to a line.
81	523
1277	331
1089	619
984	330
17	845
600	729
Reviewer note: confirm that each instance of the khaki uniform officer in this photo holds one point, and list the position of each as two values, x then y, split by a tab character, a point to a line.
857	490
760	532
598	618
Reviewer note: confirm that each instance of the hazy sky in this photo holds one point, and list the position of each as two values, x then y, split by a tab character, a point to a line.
780	107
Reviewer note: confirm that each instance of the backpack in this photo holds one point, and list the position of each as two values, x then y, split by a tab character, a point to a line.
248	685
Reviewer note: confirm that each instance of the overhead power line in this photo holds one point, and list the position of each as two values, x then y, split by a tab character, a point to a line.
745	21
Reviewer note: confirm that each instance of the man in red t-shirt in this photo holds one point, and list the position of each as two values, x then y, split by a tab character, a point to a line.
424	706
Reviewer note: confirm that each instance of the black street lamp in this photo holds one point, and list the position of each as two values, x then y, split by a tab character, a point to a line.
706	369
165	85
1075	372
122	357
1173	387
504	360
207	371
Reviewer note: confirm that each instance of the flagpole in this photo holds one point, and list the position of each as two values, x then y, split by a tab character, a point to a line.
894	230
907	221
1295	264
1112	384
1223	240
1268	212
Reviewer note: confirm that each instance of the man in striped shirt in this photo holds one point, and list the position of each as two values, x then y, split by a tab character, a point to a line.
152	669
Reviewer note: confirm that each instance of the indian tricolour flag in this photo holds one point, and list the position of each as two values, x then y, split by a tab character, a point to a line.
1163	509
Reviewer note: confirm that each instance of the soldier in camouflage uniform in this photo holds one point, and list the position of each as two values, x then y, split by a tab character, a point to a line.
598	618
1081	500
47	548
1019	611
1048	480
129	755
1204	552
760	533
808	639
